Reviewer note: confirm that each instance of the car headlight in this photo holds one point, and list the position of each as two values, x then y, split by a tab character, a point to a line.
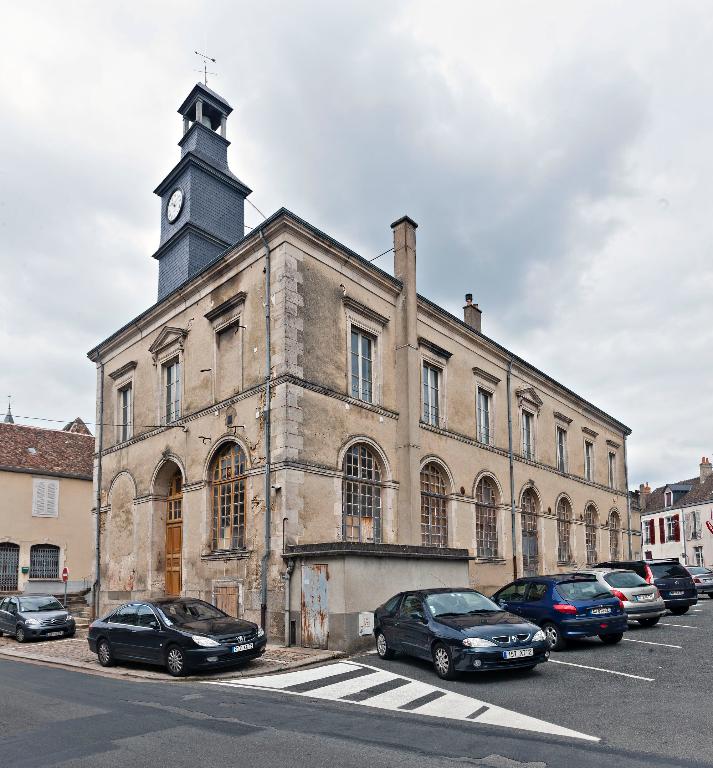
260	632
32	623
538	636
206	642
477	642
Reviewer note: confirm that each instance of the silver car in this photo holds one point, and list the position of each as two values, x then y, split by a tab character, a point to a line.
642	601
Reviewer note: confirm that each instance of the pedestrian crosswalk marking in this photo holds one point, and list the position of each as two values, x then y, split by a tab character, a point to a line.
364	685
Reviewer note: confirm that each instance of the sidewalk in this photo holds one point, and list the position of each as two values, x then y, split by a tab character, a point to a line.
75	653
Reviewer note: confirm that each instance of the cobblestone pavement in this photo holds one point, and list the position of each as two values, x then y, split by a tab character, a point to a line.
74	652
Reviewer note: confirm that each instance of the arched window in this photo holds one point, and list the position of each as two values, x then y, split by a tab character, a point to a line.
44	561
228	480
590	533
528	522
361	496
486	526
564	531
614	534
434	504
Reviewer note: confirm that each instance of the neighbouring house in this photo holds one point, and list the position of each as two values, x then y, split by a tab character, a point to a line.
677	519
363	451
46	519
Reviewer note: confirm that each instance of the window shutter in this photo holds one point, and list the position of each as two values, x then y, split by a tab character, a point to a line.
677	528
652	532
662	529
39	500
51	498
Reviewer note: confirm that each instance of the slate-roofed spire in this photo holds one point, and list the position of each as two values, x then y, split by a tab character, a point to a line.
8	416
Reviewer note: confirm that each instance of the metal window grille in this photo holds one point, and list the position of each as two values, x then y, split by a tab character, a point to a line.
486	527
614	535
362	350
484	400
9	563
527	442
528	524
228	492
564	531
434	519
590	534
361	496
430	394
44	561
173	391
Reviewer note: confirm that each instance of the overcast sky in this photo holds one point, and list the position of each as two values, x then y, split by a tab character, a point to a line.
556	155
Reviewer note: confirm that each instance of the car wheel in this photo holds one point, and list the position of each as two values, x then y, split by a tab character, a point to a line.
679	611
176	661
104	654
20	635
612	639
70	633
554	637
649	622
382	647
443	662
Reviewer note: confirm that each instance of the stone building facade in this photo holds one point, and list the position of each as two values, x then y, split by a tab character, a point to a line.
391	461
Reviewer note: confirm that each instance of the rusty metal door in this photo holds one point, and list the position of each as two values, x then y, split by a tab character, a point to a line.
315	607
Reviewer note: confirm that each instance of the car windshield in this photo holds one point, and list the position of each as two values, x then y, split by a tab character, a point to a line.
625	579
40	604
187	611
668	570
699	570
459	604
582	590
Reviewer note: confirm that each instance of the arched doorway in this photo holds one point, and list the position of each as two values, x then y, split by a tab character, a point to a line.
528	520
174	534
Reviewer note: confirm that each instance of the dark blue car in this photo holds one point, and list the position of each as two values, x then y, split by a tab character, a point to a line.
566	606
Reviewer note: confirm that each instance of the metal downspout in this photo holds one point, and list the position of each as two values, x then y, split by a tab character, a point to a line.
512	474
628	502
97	522
266	415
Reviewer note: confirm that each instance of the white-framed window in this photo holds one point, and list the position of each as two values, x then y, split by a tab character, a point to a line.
45	497
528	434
431	379
125	408
172	390
484	404
671	528
648	531
561	449
588	460
698	556
362	347
611	469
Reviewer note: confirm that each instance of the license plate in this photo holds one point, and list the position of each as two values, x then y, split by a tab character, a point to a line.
54	634
600	611
244	647
676	594
520	653
644	598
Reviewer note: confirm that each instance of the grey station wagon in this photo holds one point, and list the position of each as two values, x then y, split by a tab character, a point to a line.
30	617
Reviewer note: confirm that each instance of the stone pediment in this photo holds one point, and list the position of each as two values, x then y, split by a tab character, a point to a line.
167	338
528	395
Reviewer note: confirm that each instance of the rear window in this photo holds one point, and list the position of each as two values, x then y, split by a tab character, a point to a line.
668	570
624	579
699	570
582	590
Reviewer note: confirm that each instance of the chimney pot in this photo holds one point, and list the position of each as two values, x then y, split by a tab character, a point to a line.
469	298
472	314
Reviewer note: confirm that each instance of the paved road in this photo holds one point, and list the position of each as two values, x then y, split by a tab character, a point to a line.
368	712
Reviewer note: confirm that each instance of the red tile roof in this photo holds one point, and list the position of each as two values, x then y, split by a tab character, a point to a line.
46	451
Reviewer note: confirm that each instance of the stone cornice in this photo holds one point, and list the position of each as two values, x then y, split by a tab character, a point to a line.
489	377
120	372
434	348
227	306
561	417
362	309
590	432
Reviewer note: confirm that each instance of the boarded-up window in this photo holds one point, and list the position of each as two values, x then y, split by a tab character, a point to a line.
45	498
227	380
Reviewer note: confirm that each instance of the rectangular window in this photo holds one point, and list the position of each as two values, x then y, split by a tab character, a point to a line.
362	355
612	469
485	401
431	377
588	460
561	449
695	525
45	498
648	531
528	436
672	528
698	556
125	413
172	377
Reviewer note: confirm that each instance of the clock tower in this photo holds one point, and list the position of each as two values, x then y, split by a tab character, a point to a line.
202	202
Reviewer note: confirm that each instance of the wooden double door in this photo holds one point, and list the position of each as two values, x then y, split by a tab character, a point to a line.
174	536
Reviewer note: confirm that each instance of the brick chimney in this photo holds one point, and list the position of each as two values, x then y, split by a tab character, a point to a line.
644	493
706	469
472	313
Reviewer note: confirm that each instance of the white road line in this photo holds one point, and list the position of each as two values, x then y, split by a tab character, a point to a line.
302	676
599	669
649	642
668	624
337	691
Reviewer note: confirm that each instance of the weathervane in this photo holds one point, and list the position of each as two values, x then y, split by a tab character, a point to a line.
205	71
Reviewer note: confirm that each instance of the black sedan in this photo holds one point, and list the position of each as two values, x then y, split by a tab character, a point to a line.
182	634
35	617
458	630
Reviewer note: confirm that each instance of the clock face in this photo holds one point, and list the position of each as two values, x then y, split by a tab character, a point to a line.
175	203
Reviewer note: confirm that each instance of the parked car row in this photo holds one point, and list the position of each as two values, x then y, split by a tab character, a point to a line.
30	617
463	630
